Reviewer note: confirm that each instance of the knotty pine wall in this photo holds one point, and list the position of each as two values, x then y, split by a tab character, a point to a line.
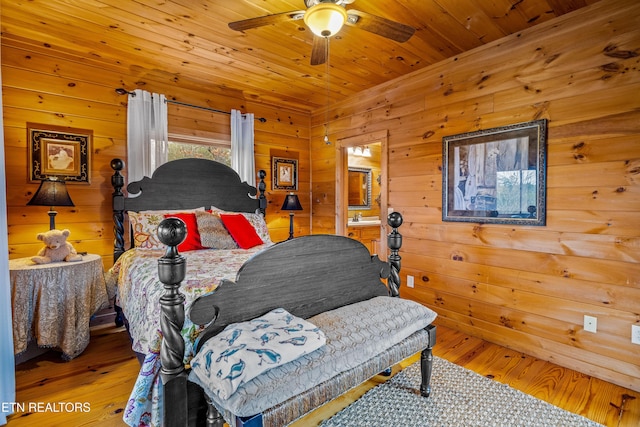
48	86
526	288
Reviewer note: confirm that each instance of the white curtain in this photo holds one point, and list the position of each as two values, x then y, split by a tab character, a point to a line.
7	363
147	140
242	159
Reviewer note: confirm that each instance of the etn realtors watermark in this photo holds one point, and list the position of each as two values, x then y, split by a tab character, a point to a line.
16	407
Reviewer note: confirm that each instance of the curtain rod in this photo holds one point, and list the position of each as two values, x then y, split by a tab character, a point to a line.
121	91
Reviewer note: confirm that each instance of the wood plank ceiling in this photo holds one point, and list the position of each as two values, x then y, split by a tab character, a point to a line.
189	41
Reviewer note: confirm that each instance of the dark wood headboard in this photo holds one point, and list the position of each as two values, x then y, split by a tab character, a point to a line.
183	184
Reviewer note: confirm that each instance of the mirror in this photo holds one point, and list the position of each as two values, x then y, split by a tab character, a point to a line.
496	175
359	185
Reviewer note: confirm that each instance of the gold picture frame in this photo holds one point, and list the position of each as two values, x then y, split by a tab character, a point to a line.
59	151
285	174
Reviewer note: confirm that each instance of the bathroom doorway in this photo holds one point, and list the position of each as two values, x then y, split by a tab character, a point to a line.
361	190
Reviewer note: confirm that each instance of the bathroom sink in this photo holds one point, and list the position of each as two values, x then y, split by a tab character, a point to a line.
363	222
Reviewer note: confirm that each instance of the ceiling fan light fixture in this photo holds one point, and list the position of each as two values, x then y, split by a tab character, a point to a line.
325	19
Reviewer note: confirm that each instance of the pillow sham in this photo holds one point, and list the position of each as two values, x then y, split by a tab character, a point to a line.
241	230
145	225
213	234
259	224
192	240
242	351
256	220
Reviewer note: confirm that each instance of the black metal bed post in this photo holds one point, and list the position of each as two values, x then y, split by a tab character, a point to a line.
394	241
171	271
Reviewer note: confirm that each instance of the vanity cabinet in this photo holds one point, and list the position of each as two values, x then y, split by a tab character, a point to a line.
368	235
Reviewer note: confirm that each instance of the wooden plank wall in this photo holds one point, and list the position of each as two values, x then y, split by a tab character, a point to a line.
526	288
46	85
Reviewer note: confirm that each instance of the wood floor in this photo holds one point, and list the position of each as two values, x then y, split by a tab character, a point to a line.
98	382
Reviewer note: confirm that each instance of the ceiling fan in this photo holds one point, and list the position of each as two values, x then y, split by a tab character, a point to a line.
325	18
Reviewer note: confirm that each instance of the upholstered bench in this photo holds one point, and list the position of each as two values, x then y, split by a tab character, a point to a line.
362	340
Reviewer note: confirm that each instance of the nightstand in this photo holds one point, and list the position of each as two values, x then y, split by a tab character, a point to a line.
53	303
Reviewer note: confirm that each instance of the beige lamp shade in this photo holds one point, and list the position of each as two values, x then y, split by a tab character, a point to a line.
325	19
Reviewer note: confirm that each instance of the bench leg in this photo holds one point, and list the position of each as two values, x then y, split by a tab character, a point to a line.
426	362
214	417
387	372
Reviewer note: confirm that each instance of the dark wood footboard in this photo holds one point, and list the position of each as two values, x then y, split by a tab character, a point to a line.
305	276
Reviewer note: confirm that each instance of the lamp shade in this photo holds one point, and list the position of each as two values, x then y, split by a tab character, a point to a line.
291	203
325	19
52	192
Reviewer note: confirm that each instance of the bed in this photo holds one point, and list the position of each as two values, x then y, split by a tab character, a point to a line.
309	278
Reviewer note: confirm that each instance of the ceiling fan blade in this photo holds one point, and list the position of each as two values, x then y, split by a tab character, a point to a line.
379	25
319	50
261	21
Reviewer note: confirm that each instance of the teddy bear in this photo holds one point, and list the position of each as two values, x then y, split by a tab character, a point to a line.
56	248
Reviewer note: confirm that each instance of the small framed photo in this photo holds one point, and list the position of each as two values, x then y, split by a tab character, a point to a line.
59	151
285	174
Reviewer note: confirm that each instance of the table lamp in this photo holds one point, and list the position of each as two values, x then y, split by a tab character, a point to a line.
52	192
291	203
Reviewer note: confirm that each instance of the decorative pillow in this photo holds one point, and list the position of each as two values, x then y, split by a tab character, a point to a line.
256	219
260	225
145	226
242	351
192	241
213	234
241	230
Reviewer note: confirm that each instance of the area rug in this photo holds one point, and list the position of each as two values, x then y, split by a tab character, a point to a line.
459	397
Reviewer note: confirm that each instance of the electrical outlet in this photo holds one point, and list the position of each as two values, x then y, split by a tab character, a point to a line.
635	334
590	323
409	281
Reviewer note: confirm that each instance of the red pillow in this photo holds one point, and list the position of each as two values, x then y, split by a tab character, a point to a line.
192	241
241	230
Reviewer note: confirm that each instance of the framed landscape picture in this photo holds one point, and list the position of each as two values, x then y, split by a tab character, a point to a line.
496	175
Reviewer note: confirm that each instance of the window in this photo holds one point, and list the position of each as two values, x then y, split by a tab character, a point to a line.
516	192
185	146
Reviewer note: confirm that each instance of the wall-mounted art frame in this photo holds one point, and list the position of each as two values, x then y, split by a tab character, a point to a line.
59	151
496	175
285	173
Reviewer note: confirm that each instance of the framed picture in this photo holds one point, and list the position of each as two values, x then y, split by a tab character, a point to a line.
496	175
285	173
59	151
